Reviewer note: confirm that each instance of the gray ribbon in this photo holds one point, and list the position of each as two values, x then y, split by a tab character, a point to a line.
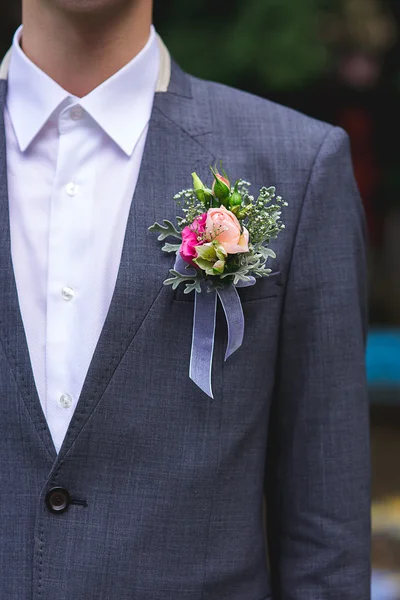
204	321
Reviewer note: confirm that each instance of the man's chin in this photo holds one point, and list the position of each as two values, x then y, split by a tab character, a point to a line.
91	7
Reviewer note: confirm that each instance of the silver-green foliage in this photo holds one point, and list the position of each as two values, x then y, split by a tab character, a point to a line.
260	215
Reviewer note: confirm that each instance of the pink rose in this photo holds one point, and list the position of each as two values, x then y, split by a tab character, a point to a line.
190	239
223	225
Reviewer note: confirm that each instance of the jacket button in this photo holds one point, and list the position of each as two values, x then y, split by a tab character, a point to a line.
58	500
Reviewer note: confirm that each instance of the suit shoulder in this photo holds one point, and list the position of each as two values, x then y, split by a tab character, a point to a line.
246	115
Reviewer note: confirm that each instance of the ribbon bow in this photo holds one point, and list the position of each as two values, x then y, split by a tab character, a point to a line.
204	321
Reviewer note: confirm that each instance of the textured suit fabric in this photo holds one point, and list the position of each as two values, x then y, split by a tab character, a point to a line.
168	485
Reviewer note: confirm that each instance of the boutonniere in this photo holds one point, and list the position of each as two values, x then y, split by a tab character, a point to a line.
224	237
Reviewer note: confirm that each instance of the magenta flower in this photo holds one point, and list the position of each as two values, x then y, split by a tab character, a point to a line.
192	236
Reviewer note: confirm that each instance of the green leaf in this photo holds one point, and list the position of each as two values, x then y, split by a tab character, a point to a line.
178	278
171	248
166	230
266	252
193	287
251	264
239	277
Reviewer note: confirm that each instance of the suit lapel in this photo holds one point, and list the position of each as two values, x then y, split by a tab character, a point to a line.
12	333
171	154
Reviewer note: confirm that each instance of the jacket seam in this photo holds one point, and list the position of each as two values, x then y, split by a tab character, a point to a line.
303	202
186	132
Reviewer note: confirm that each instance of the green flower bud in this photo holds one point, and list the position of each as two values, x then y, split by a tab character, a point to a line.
219	267
197	182
202	192
242	214
235	199
221	188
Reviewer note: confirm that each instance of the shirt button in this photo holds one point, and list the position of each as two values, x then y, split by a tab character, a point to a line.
66	401
72	189
76	113
67	293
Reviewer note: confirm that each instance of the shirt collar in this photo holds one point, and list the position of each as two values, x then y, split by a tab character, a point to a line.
121	105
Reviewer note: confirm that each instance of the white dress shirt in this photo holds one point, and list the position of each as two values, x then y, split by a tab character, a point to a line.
73	165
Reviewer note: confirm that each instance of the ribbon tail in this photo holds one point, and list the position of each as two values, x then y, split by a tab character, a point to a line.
204	317
233	310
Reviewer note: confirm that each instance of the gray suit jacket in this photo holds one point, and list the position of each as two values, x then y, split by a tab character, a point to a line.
166	486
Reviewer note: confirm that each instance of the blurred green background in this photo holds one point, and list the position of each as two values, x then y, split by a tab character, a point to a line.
258	44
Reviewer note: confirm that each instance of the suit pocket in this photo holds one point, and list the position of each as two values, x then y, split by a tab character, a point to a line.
267	287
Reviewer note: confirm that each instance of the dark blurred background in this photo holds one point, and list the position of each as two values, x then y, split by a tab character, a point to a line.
336	60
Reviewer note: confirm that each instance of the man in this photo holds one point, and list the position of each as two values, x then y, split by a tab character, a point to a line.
120	479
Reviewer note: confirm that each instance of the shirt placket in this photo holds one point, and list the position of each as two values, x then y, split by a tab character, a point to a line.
69	236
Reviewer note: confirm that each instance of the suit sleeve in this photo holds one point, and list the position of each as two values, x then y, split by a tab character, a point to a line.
318	460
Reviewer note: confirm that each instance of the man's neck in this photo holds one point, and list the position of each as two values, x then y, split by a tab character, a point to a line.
79	54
